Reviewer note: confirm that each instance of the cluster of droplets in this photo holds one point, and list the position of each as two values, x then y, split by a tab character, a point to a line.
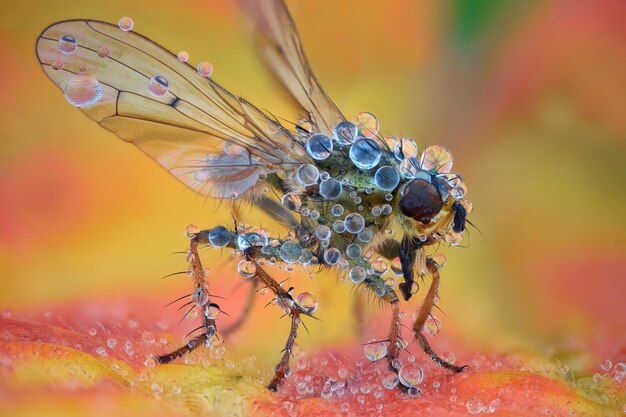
84	90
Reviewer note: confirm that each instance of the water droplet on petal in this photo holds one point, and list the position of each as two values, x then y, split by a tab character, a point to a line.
67	44
375	350
410	375
83	91
158	86
126	23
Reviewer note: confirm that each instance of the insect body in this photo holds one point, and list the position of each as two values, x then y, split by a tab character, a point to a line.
349	197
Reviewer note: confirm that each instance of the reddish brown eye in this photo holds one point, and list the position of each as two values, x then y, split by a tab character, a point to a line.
421	201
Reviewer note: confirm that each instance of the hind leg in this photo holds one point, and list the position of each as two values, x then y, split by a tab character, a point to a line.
200	297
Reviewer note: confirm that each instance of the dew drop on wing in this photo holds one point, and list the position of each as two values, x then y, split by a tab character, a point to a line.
67	44
126	23
82	91
158	86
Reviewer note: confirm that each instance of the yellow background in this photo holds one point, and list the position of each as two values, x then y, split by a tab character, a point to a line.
528	96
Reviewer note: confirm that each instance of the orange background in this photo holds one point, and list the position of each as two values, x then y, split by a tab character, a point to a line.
528	96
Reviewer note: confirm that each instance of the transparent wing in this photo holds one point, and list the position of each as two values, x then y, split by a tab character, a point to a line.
214	142
280	46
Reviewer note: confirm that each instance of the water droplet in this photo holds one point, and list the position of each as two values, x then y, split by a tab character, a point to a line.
83	91
390	380
410	375
304	127
367	124
308	302
290	252
205	69
219	236
323	232
474	407
375	350
291	201
459	191
354	223
414	392
336	210
307	174
104	51
365	153
183	56
331	188
338	226
150	362
432	325
319	146
200	296
437	159
126	23
57	64
332	256
405	148
357	274
606	365
247	269
353	251
345	133
147	337
158	86
366	234
191	230
386	178
212	311
67	44
111	343
380	266
439	259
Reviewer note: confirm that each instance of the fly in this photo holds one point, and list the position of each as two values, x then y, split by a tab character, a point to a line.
351	198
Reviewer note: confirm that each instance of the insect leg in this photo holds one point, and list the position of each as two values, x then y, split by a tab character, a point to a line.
460	214
408	252
200	297
376	284
282	369
422	315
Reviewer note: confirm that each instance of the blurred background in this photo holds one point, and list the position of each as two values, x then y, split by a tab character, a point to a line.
529	97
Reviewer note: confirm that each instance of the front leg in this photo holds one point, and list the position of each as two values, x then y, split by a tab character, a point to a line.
424	312
408	253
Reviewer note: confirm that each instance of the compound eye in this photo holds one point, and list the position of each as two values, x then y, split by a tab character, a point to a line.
421	201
